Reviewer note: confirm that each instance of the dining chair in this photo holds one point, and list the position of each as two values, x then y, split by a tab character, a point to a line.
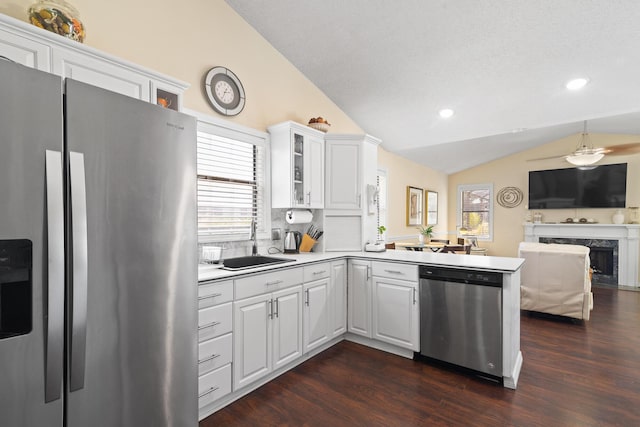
456	249
445	241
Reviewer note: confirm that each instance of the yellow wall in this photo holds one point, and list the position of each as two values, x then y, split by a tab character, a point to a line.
401	173
513	171
186	39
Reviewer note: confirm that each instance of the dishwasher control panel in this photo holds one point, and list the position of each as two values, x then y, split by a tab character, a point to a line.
489	278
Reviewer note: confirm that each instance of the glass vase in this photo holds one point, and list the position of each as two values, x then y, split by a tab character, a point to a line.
59	17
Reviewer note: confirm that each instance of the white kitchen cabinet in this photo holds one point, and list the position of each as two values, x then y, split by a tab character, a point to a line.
350	181
267	334
395	306
316	314
252	339
316	310
343	174
214	341
25	51
37	48
297	166
287	326
338	299
214	385
359	297
95	71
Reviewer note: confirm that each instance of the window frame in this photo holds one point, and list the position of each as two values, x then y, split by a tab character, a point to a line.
382	197
222	128
471	187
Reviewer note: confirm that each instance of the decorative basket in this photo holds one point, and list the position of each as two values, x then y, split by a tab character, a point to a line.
323	127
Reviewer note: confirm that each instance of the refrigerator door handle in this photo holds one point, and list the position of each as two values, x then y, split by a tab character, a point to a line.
54	315
80	270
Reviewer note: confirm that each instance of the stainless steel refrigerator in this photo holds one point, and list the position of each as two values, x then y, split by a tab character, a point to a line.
98	257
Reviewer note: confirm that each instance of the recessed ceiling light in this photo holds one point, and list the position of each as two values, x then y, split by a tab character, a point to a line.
576	84
445	113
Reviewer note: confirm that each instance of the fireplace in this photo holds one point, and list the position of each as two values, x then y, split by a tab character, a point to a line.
603	255
615	249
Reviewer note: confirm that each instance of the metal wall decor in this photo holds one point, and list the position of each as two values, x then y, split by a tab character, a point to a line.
510	197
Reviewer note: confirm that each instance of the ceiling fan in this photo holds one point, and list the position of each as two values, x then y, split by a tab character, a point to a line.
585	154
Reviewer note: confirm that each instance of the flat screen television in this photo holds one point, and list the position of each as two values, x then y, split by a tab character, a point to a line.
604	186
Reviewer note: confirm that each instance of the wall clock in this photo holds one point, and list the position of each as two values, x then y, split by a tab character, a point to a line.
224	91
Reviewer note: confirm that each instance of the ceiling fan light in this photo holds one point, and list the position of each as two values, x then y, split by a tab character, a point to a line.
584	159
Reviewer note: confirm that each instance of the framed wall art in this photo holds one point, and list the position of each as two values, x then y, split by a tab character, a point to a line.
431	207
414	206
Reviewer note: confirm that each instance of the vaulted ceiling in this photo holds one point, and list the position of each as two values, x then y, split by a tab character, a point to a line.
501	65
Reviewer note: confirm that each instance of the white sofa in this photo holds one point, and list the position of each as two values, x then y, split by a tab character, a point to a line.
555	279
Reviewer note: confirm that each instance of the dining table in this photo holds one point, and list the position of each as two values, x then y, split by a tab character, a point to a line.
417	246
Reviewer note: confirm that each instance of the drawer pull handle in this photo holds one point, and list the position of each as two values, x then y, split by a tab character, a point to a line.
319	272
206	359
275	282
208	325
211	390
393	271
209	296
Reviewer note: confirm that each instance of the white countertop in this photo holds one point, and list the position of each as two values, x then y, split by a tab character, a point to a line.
503	264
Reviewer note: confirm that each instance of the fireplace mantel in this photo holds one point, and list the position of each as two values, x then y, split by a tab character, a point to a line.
627	235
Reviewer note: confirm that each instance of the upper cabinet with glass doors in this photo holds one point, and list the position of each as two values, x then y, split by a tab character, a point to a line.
297	166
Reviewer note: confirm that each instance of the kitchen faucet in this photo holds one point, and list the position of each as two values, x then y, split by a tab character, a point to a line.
254	238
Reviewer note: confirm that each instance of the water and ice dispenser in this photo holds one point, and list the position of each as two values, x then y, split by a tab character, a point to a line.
16	284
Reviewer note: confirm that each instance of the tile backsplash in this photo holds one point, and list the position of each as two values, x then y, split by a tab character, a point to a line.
239	248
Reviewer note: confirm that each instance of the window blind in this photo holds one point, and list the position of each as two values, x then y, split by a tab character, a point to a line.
231	181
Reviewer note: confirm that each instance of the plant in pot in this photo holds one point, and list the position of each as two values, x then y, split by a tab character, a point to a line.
381	230
425	233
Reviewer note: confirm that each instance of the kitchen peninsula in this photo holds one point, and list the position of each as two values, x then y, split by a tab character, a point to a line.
304	303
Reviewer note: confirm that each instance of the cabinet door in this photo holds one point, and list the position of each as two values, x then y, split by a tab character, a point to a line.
25	51
343	189
316	314
91	70
313	172
395	312
338	298
359	295
287	326
251	339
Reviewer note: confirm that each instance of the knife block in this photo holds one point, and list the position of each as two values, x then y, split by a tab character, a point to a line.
307	243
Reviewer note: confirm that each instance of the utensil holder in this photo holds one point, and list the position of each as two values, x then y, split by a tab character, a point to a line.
307	243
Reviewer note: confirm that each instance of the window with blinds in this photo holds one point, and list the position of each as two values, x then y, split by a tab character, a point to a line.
231	183
475	210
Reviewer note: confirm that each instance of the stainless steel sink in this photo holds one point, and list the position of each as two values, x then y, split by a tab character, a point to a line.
244	262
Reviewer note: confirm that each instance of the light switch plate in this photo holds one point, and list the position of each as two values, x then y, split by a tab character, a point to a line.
276	234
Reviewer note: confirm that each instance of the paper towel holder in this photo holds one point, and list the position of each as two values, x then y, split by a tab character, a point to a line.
290	213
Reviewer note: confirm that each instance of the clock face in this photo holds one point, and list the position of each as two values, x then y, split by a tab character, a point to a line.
224	91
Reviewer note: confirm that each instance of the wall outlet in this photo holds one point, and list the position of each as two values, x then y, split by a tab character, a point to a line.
276	234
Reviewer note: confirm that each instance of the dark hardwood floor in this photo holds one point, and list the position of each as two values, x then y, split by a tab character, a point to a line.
574	374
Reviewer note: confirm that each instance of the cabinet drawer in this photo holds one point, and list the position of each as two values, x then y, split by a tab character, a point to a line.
316	271
214	385
267	282
214	353
396	271
214	321
210	294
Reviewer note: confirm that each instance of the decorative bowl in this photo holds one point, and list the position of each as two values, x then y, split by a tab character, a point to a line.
323	127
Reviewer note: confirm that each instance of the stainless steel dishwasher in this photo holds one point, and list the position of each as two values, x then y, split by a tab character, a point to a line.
461	318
